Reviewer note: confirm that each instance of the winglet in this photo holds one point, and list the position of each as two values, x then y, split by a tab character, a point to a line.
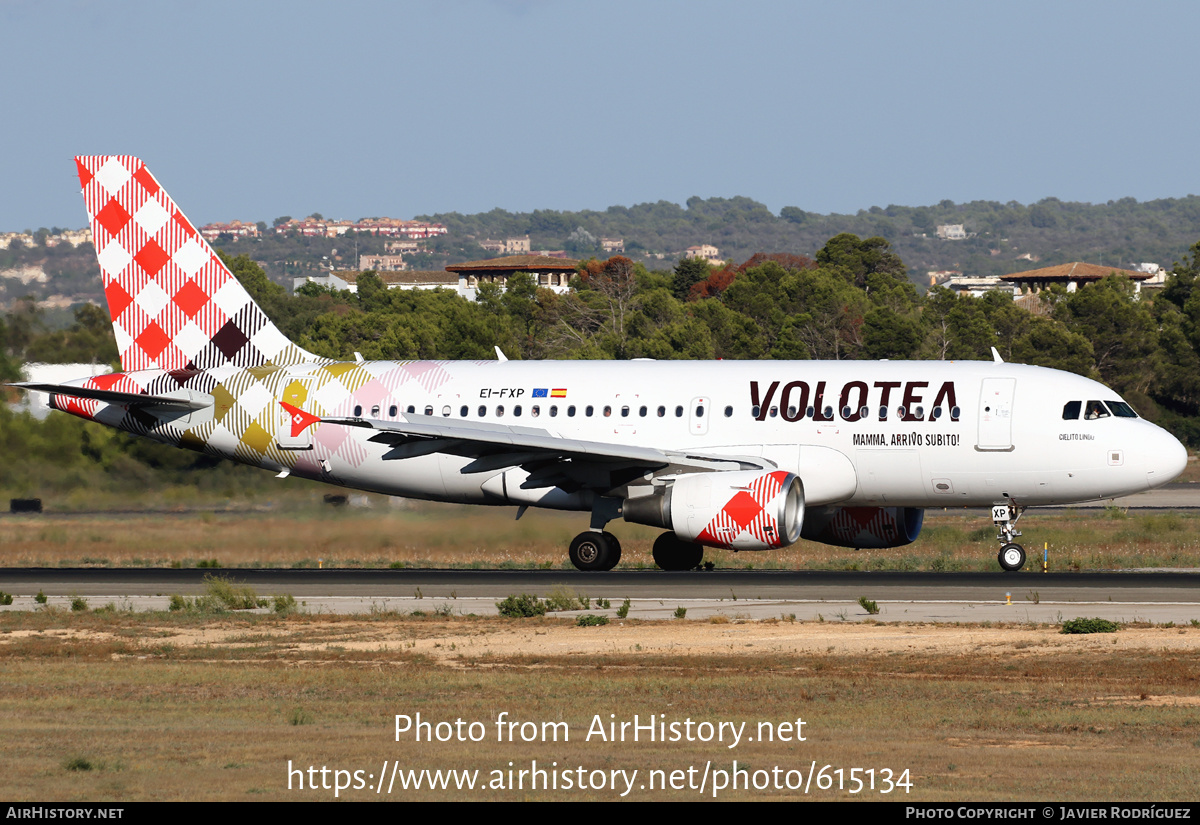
300	419
996	356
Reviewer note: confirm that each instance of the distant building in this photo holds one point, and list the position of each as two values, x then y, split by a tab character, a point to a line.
348	281
321	228
552	273
382	263
1158	274
237	229
937	276
402	247
612	246
1071	275
706	252
508	246
976	286
952	232
74	237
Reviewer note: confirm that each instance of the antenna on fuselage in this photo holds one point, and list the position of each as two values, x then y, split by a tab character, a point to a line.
500	356
996	356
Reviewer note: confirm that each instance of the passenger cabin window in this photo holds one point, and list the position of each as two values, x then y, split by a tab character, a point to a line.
754	411
411	409
553	410
588	410
1094	410
375	411
624	412
517	410
535	410
571	411
729	412
392	411
679	412
1071	410
642	412
482	411
700	411
464	410
662	411
429	410
357	410
446	411
499	410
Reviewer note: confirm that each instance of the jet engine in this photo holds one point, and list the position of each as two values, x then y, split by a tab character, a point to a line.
741	510
864	527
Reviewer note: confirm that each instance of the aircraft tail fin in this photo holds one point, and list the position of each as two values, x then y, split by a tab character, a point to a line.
174	304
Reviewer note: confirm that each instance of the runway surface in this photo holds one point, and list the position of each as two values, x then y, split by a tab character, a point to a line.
1157	597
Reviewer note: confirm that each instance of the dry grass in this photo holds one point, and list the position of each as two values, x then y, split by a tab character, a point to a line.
429	535
170	707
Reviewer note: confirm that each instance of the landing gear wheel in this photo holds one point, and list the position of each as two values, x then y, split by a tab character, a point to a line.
1012	557
595	551
673	553
614	546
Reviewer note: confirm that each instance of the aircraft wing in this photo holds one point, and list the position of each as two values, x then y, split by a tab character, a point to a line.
184	400
551	460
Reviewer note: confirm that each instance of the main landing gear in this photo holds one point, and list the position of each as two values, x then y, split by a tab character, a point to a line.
595	550
1005	517
673	553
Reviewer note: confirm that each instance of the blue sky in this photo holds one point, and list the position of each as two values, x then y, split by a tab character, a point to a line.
256	109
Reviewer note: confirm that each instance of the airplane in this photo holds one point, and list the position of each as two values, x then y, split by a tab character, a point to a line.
742	455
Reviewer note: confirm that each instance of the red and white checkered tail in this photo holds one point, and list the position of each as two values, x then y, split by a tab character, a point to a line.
174	305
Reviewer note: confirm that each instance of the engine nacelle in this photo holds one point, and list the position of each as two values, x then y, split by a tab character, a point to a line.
864	527
741	510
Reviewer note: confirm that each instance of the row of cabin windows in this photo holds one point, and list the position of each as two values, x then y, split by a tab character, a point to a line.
790	414
1097	409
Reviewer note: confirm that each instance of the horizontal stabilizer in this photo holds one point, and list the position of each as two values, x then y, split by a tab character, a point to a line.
184	400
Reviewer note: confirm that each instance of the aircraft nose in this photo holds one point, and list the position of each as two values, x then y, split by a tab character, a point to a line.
1166	458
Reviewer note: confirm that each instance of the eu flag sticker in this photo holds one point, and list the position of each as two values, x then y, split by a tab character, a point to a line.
540	393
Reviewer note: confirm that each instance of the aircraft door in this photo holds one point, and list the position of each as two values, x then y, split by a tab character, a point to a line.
296	391
995	414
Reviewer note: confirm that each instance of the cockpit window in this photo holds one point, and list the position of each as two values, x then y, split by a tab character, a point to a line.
1071	410
1121	409
1096	409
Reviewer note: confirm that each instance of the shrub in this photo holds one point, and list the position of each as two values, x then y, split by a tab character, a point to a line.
623	610
230	595
78	763
5	598
1090	626
565	598
603	604
680	612
868	605
209	563
40	598
178	603
79	604
285	604
590	620
521	607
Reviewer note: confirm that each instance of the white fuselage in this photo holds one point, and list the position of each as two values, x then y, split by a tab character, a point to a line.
969	434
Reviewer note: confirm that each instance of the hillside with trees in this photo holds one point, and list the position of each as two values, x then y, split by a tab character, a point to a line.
1001	238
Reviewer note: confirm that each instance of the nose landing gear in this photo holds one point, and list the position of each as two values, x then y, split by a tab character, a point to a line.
1005	517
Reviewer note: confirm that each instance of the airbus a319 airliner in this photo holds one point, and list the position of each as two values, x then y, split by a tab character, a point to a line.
746	455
